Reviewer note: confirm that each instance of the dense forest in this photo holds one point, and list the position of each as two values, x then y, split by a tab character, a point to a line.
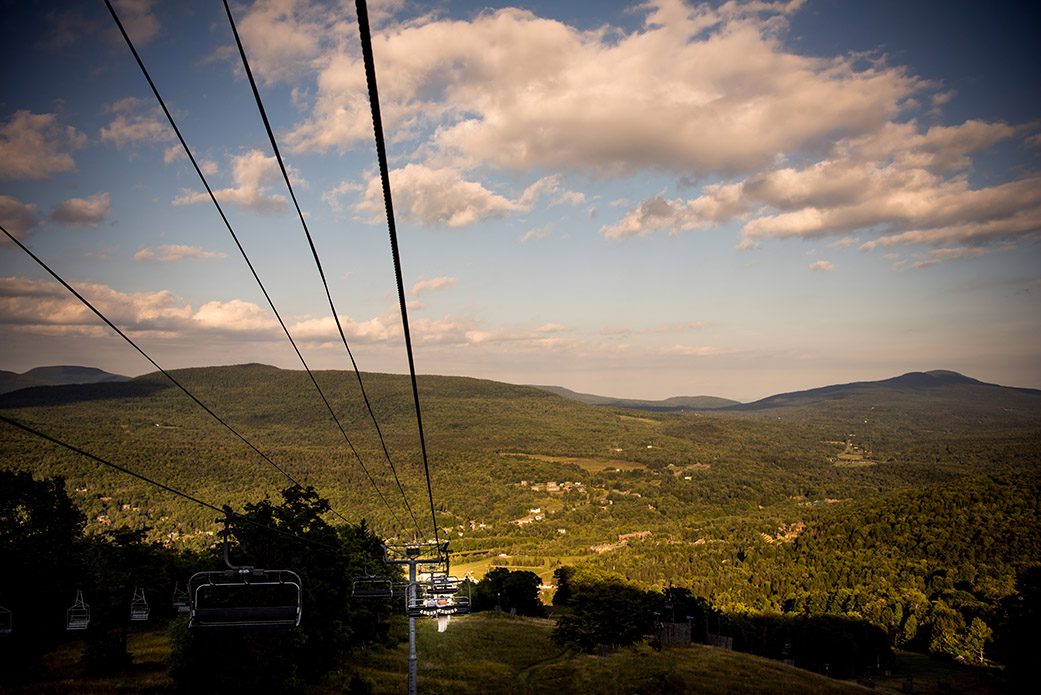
911	506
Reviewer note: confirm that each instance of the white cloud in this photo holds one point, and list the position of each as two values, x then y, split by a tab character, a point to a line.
176	252
77	212
436	197
136	121
35	146
138	20
251	172
693	350
822	266
537	233
35	305
234	316
553	328
516	91
433	285
843	243
17	217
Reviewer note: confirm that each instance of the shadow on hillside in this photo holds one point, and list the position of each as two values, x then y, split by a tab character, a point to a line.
48	396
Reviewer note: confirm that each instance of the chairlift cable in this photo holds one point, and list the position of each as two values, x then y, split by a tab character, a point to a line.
381	154
155	364
245	257
314	253
221	510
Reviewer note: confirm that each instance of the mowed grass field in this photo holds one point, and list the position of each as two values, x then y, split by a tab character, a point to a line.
485	654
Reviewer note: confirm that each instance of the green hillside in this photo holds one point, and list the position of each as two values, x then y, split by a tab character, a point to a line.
910	504
674	404
484	655
493	448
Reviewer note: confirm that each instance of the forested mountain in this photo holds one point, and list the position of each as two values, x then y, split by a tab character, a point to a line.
877	501
927	391
54	376
676	403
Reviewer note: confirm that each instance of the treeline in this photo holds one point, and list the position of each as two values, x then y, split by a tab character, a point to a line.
603	610
48	561
935	569
694	466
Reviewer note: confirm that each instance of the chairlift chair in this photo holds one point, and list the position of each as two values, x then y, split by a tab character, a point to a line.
372	586
78	615
438	597
6	621
139	606
180	599
244	598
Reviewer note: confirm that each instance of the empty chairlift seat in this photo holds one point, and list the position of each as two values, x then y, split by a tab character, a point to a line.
372	586
181	604
245	598
78	615
139	606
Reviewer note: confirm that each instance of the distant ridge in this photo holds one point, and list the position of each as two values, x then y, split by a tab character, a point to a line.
936	385
676	403
56	376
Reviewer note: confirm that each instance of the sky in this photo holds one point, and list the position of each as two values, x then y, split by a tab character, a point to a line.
633	200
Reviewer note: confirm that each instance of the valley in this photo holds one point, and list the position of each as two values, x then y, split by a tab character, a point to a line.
913	507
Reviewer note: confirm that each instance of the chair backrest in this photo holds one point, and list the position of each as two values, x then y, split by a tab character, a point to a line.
78	615
249	598
139	606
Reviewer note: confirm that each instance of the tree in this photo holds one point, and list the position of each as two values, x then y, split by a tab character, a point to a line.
291	535
609	612
41	553
511	589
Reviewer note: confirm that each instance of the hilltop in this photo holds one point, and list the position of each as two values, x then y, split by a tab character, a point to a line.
668	405
55	376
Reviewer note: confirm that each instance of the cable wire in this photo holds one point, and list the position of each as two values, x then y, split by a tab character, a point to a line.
314	251
381	153
242	251
121	469
155	364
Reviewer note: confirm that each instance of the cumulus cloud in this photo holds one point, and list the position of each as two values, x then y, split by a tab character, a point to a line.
77	212
333	197
433	285
137	18
795	146
436	197
136	121
176	252
251	171
18	218
235	315
32	305
35	146
516	91
537	233
693	350
822	266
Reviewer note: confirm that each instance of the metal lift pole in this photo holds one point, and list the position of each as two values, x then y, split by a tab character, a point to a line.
411	633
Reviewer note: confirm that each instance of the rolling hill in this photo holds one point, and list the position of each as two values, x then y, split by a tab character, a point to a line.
668	405
55	376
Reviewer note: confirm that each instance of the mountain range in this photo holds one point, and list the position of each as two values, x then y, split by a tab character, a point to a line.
55	376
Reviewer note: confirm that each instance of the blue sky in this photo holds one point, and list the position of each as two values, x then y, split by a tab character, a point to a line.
641	201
